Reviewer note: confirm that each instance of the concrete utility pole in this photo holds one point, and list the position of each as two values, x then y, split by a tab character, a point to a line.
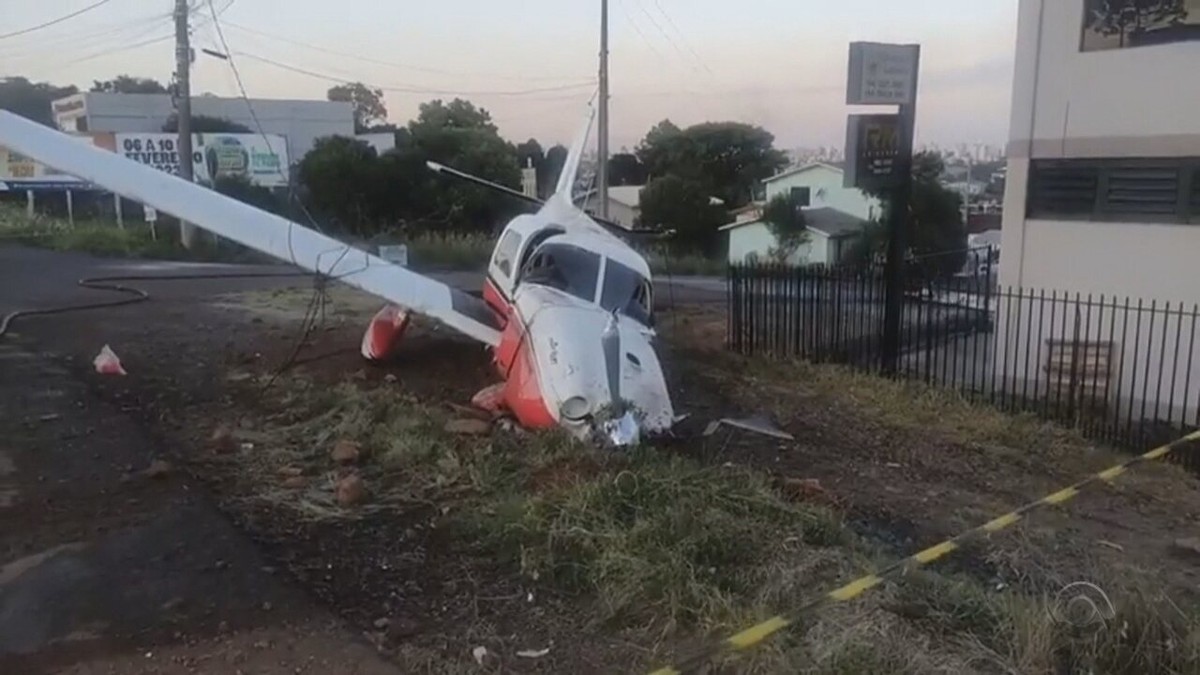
602	145
183	108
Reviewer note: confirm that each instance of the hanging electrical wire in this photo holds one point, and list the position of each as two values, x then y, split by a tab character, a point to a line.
393	64
55	22
682	37
412	89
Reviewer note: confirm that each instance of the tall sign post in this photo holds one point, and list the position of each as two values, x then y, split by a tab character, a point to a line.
879	151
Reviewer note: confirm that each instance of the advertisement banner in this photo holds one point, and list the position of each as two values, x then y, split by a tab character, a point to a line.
261	160
20	173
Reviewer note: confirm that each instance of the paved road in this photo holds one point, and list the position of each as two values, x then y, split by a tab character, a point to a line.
34	278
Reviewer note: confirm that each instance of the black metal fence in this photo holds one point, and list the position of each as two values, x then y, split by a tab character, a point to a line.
1121	370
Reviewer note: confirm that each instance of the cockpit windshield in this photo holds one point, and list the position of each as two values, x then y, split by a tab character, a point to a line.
576	271
565	267
626	291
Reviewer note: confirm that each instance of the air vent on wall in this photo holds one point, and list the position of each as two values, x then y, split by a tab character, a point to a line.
1142	190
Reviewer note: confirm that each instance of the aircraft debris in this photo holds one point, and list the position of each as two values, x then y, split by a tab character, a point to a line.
759	424
107	362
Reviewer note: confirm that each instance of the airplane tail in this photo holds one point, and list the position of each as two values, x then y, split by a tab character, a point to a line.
570	170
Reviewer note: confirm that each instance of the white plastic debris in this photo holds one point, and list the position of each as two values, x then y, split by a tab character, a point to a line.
533	653
107	362
480	653
623	431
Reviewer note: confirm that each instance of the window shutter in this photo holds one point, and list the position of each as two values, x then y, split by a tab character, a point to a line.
1138	190
1062	189
1194	193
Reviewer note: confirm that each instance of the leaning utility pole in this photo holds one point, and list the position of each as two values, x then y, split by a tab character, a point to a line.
183	108
602	149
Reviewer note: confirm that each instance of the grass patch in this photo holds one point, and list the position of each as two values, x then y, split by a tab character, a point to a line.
105	238
662	547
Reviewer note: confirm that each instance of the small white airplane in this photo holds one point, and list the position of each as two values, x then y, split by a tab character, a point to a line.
567	307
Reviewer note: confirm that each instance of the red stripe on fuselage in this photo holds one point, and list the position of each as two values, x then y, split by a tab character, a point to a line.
494	298
522	391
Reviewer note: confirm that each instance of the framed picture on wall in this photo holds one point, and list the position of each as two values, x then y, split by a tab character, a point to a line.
1124	24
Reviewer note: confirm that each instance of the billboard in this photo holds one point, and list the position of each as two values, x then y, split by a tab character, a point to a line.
1122	24
261	160
18	172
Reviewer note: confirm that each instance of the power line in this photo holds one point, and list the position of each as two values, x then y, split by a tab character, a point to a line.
682	37
637	29
122	48
393	64
409	89
658	26
90	37
59	20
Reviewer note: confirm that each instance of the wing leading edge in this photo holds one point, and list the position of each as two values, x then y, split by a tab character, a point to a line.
259	230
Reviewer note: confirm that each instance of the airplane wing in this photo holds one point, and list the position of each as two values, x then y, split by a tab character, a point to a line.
259	230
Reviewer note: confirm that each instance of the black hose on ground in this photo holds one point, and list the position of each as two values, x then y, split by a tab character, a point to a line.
135	294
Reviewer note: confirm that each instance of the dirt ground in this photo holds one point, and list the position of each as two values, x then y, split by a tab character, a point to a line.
904	473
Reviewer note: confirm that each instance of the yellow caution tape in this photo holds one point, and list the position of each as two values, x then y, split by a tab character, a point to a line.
759	632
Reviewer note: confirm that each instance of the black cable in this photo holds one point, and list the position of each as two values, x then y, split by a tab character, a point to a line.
137	294
53	22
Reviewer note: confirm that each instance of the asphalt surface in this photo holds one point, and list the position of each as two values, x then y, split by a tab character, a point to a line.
39	279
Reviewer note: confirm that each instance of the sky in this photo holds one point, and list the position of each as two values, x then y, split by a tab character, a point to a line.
780	64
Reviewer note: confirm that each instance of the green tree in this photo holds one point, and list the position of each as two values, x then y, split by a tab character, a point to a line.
675	203
340	177
32	100
242	189
659	150
937	238
128	84
784	216
203	124
530	153
625	168
369	108
728	158
463	136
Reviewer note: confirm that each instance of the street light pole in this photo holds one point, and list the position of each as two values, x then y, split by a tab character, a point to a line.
183	108
602	144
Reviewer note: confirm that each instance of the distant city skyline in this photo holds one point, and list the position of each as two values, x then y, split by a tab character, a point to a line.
774	63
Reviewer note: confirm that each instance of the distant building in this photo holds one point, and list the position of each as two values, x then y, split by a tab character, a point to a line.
831	233
300	122
623	204
820	184
835	215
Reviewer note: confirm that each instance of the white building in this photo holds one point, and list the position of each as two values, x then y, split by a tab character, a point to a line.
835	215
623	204
300	122
1103	190
830	235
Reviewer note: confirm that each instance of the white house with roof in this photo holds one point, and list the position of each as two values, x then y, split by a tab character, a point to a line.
835	216
623	204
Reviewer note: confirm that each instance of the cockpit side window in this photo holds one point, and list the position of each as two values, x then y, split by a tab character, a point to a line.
628	292
506	252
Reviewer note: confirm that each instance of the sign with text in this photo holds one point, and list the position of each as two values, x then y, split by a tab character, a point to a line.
263	161
18	172
872	148
882	74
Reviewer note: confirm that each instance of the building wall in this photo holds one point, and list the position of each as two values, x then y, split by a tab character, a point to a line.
300	122
756	238
826	189
1139	102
